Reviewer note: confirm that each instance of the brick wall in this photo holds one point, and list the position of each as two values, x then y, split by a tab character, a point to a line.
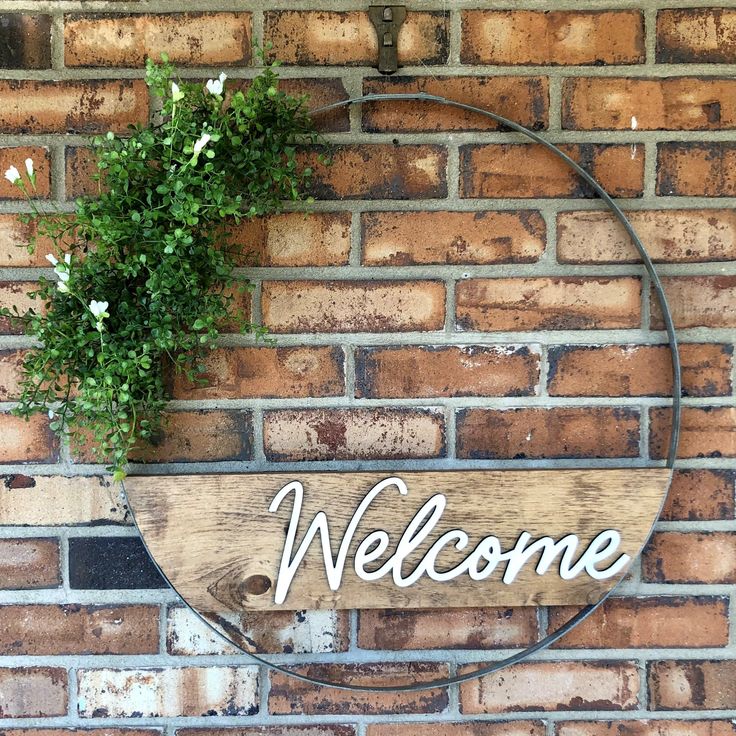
459	300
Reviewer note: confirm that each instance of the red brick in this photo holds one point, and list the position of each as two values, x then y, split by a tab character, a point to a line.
14	238
518	37
698	301
27	441
380	171
291	697
696	169
700	495
553	686
566	432
32	692
14	294
470	728
457	628
168	692
29	563
294	239
638	370
500	170
640	623
690	557
26	41
646	728
708	431
190	39
316	729
73	629
89	106
321	91
696	35
692	685
524	100
346	434
80	169
414	238
273	632
673	103
10	373
353	306
559	303
16	157
249	372
321	37
206	435
670	236
429	371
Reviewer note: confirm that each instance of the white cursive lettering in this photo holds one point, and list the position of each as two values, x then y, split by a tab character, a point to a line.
479	564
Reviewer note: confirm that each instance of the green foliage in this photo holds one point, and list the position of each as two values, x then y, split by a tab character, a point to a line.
146	276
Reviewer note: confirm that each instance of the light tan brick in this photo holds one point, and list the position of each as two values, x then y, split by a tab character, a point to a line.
647	622
278	632
168	692
89	106
525	100
189	39
561	303
518	37
670	236
501	170
343	434
414	238
32	692
554	686
696	35
353	306
673	103
58	500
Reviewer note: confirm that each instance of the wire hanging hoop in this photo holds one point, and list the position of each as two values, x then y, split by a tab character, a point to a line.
656	282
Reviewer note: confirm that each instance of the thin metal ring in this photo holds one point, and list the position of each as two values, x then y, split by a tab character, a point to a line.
675	428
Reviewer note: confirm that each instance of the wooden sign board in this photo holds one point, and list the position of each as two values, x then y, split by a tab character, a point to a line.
291	541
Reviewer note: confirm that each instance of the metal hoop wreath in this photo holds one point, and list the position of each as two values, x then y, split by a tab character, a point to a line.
675	425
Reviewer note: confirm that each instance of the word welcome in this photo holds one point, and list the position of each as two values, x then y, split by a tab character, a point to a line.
479	564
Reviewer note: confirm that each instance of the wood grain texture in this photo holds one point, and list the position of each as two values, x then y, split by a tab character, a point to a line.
220	547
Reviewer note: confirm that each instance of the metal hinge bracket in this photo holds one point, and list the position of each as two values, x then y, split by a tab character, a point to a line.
387	20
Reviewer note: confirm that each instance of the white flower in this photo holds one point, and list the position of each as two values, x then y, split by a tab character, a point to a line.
176	93
61	270
98	309
51	413
12	175
201	143
29	167
215	86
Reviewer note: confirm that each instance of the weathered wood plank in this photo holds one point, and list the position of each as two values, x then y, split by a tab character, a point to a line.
221	547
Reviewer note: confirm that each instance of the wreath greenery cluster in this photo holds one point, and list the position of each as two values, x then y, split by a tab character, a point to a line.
147	273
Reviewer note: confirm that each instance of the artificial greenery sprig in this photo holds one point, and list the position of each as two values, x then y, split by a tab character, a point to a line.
145	272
